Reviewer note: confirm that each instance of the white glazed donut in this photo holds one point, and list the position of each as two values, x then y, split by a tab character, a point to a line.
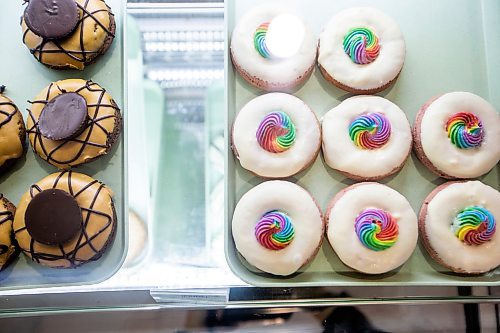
371	227
457	135
458	226
277	227
254	59
276	135
366	138
361	50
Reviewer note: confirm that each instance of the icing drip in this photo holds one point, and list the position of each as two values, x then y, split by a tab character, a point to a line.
259	40
274	230
474	225
376	229
276	132
370	131
465	130
361	45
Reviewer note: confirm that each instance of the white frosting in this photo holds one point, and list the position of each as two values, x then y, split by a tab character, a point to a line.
443	154
276	72
441	212
340	66
344	240
306	219
273	165
342	154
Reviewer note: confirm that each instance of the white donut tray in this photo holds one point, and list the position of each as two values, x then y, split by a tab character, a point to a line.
24	78
452	45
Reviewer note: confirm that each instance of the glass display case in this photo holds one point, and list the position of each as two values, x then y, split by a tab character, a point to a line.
176	151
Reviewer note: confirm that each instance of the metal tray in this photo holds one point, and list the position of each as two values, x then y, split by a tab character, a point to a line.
451	45
24	78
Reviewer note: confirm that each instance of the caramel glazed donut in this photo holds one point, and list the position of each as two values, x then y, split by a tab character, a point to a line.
12	132
66	34
72	122
8	247
82	220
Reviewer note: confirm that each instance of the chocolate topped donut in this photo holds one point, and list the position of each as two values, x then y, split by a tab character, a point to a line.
65	220
73	122
8	247
65	34
12	132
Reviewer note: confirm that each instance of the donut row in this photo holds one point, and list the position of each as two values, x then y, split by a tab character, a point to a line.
367	138
361	50
278	227
67	218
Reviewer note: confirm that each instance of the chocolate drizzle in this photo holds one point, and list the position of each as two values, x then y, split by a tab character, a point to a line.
84	56
83	140
3	110
6	216
67	252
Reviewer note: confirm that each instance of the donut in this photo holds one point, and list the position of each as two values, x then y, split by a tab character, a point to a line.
12	132
67	34
457	135
361	50
277	227
8	247
65	220
371	227
138	240
72	122
366	138
457	224
273	49
276	135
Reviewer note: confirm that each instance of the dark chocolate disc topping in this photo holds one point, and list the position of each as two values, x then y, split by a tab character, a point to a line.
51	19
53	217
63	117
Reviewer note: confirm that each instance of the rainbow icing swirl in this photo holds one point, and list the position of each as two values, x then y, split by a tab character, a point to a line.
259	40
465	130
276	132
474	225
274	230
370	131
361	45
376	229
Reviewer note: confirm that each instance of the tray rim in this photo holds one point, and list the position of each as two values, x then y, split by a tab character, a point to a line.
234	259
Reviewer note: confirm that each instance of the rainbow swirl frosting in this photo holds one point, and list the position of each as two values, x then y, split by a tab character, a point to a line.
361	45
370	131
465	130
474	225
259	40
274	230
376	229
276	132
